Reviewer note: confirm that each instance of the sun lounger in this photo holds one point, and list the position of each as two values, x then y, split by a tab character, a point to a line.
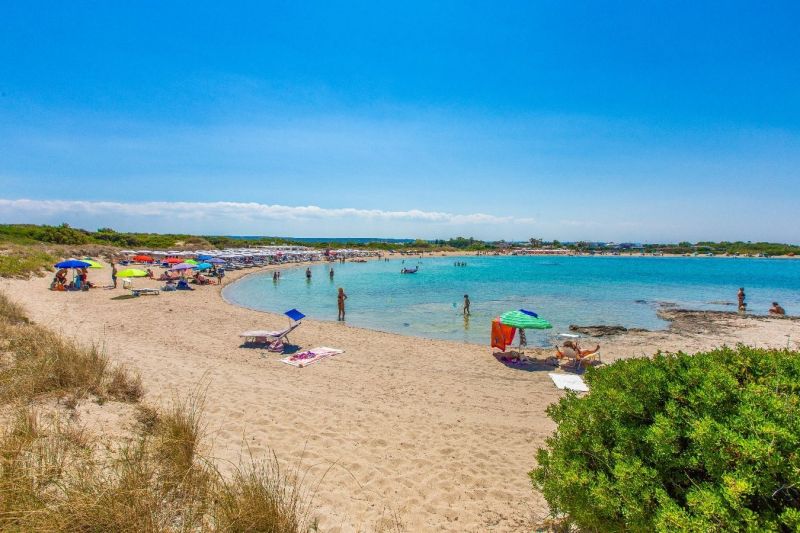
589	357
267	337
567	353
309	357
139	292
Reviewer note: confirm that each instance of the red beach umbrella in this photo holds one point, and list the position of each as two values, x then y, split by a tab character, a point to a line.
143	258
174	260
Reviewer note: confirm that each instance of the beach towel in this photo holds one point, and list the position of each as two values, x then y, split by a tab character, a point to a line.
502	335
569	381
309	357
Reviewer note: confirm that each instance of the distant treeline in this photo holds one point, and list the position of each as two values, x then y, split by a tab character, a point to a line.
65	234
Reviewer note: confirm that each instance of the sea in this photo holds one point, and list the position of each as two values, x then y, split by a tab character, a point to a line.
583	290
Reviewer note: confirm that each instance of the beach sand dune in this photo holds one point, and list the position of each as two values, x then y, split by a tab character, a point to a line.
397	433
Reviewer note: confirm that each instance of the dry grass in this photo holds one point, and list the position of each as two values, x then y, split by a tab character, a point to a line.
260	494
38	362
52	479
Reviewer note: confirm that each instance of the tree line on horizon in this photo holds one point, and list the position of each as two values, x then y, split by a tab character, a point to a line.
67	235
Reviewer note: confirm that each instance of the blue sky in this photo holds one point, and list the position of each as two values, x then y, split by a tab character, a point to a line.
645	121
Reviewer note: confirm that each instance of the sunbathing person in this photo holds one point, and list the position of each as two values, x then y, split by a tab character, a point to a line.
776	309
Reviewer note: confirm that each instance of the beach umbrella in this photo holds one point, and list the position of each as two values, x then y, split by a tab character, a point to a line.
131	273
216	261
203	266
191	261
72	263
522	320
173	260
143	258
183	266
92	263
204	257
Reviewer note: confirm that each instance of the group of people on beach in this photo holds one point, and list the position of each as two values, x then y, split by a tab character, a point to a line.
775	310
79	283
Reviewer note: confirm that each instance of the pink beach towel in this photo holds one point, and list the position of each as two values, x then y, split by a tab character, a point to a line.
308	357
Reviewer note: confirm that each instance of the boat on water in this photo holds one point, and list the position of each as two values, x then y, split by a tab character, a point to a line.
409	270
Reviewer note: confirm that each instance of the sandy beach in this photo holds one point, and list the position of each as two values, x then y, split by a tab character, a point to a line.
397	433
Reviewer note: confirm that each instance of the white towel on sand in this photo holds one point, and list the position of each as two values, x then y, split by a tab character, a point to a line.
569	381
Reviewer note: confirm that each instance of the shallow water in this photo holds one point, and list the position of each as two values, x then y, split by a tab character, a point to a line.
564	290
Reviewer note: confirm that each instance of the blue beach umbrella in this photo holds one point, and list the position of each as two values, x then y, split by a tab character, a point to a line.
204	257
216	261
73	263
183	266
203	266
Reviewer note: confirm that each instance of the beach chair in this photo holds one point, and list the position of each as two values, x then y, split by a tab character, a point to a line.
589	356
567	354
145	291
255	337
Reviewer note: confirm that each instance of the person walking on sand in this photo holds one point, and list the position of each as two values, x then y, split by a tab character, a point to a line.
340	300
740	296
114	274
466	305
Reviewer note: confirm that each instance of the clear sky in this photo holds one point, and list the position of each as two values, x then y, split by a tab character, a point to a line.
626	121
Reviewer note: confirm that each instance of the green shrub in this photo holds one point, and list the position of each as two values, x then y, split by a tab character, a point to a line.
709	442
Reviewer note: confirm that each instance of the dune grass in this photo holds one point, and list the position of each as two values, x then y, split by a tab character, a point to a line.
53	477
37	362
23	261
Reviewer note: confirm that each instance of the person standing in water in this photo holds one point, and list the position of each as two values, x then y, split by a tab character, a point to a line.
340	301
308	273
466	305
740	296
331	273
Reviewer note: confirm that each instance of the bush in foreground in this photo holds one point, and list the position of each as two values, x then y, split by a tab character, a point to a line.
709	442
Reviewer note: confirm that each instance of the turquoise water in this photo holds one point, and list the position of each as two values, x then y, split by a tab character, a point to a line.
564	290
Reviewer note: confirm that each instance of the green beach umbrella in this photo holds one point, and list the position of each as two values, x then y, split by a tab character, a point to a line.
131	273
521	320
191	261
92	263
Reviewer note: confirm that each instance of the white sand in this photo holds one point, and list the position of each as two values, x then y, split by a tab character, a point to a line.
398	431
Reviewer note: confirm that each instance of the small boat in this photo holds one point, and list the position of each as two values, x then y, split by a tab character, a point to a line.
409	270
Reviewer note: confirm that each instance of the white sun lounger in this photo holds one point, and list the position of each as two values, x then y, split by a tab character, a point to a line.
267	337
139	292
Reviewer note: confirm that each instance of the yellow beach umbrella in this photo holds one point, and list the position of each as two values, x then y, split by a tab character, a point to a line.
131	273
92	263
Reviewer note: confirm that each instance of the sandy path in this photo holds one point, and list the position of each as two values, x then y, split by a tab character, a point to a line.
429	435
